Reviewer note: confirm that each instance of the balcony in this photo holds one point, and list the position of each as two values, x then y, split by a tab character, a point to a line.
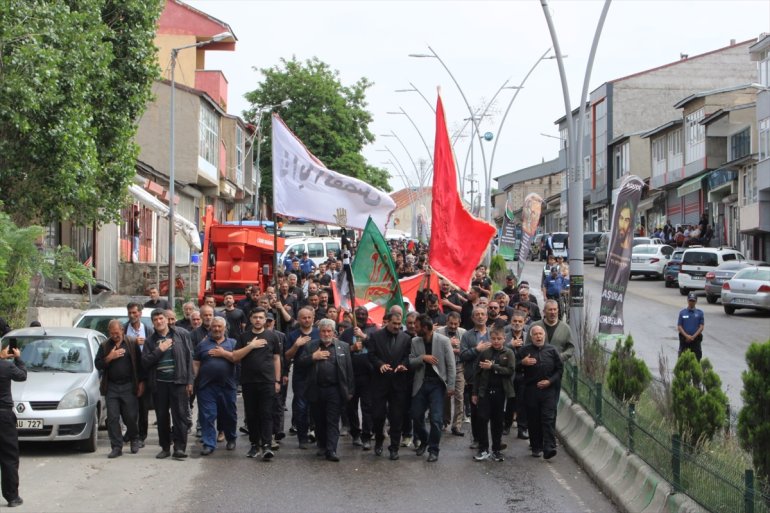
214	83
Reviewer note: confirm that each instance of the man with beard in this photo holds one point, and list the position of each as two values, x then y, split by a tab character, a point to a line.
389	355
514	339
557	332
493	315
296	342
236	318
534	310
473	343
455	333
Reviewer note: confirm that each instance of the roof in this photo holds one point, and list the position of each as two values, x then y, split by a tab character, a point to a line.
762	43
173	21
547	168
661	128
404	197
703	94
622	137
725	110
198	92
575	112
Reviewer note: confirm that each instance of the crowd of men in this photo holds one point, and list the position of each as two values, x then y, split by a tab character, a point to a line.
477	358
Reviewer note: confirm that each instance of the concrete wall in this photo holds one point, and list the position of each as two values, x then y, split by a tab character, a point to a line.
136	278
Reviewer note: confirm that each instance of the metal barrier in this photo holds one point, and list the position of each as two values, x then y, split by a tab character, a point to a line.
717	486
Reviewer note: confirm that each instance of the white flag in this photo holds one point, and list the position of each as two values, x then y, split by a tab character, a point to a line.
304	187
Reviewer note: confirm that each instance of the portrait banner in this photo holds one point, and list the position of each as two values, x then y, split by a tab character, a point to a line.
530	219
507	247
618	268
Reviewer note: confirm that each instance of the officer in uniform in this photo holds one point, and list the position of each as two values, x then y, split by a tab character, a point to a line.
11	369
690	327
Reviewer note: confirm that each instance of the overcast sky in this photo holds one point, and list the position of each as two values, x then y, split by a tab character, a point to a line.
483	44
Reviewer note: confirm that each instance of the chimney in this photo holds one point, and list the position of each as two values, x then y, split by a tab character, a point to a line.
732	42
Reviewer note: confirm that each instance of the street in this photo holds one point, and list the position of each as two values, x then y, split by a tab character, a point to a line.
650	312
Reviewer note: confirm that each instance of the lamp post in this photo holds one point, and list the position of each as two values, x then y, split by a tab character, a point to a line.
171	167
402	112
258	135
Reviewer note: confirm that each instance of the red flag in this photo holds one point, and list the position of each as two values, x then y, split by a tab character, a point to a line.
458	240
411	284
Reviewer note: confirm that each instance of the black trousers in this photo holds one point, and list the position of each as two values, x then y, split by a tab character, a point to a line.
327	410
475	425
9	454
541	416
490	412
121	403
258	404
390	405
278	416
172	397
362	396
693	346
521	407
143	414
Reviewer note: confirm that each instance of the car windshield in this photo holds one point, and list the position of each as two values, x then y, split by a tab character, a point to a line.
753	273
53	353
700	258
591	238
560	237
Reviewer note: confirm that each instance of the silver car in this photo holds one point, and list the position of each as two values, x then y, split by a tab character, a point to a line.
60	401
749	288
716	278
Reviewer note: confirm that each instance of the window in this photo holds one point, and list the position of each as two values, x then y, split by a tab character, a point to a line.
750	185
675	142
740	144
315	250
209	136
658	156
587	167
600	141
622	160
764	68
239	151
695	135
563	136
764	138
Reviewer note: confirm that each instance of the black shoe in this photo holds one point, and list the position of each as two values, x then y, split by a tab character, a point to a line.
243	430
377	450
357	441
507	431
252	452
280	436
332	456
230	445
163	454
320	452
204	452
141	444
366	445
292	430
503	446
421	449
457	432
432	457
116	452
134	446
267	453
536	453
311	436
179	454
393	455
18	501
549	454
523	434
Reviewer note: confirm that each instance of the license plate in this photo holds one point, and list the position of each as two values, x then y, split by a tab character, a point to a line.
558	245
29	423
637	260
740	300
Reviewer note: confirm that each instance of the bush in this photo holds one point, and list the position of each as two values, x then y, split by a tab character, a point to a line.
754	418
700	406
627	375
497	269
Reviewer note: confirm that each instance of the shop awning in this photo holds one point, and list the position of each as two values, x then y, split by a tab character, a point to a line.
187	229
646	203
689	186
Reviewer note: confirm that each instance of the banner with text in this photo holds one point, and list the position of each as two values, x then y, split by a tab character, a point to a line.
530	219
618	269
507	243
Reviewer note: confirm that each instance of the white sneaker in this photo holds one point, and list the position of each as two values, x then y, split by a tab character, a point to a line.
406	441
482	456
467	420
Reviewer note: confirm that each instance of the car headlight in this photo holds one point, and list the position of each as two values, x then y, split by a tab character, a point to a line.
74	399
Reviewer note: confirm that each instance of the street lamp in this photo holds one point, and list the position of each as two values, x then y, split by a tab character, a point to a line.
402	112
414	89
258	135
171	167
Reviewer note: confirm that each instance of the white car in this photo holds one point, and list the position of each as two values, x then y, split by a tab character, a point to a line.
650	259
647	240
98	318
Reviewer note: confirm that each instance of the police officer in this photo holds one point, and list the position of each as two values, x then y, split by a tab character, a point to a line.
11	369
690	327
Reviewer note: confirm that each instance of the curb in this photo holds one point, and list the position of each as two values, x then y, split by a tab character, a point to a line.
626	479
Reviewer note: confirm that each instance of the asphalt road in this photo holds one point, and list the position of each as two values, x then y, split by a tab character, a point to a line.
56	478
650	312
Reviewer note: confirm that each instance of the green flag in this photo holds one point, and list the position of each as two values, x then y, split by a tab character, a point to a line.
374	274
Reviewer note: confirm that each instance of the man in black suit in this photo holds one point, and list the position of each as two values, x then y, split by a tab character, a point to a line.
389	355
11	369
330	385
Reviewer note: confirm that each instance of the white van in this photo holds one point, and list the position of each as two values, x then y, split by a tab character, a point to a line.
696	262
317	248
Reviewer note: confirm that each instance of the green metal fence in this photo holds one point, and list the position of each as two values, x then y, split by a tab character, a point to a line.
717	486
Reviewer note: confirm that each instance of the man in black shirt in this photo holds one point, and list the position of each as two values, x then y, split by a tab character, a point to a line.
259	352
11	369
236	318
156	301
120	361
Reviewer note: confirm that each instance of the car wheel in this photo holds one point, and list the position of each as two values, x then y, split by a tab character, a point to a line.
89	444
596	262
658	276
683	292
729	310
712	299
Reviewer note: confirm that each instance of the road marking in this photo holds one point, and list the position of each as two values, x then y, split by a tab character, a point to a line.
569	489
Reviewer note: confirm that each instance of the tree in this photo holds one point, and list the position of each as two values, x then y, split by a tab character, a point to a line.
754	418
330	118
627	375
700	406
74	78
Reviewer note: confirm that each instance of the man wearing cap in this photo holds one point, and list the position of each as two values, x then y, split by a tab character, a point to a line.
290	257
511	289
357	337
306	265
690	327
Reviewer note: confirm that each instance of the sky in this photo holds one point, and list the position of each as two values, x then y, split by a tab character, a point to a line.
483	44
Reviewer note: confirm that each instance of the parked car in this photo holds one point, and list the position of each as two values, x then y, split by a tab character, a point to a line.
317	248
648	240
60	401
671	269
602	248
696	262
98	318
749	288
716	278
560	242
650	259
590	241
